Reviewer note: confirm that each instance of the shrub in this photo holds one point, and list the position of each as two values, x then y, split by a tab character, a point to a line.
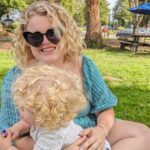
14	25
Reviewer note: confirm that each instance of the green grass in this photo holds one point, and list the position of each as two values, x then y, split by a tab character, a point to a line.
127	75
6	63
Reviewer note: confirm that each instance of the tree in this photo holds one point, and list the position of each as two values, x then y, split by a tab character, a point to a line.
93	34
18	4
79	12
121	13
6	5
104	12
58	1
3	10
137	19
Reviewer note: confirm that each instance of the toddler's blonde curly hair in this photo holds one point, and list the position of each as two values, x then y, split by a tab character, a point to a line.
53	94
71	40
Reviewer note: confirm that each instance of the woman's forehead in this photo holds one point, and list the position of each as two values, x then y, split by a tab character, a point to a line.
40	23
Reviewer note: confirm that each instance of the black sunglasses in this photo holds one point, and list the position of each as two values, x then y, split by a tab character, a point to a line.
35	39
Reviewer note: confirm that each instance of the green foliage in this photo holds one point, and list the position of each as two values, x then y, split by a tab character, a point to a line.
77	8
122	14
104	12
14	25
68	4
18	4
120	28
80	12
5	5
3	10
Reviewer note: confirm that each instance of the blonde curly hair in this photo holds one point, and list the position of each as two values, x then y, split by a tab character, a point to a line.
53	94
71	40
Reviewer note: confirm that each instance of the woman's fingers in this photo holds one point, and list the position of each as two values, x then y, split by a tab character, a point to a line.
95	139
80	141
96	146
85	132
77	145
88	143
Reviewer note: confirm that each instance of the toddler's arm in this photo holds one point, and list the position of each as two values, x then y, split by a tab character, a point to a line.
19	128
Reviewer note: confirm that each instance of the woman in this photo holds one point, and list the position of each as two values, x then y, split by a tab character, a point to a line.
48	34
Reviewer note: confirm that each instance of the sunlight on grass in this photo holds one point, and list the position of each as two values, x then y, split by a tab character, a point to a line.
6	63
127	75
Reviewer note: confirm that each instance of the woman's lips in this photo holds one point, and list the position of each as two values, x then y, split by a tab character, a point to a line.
48	49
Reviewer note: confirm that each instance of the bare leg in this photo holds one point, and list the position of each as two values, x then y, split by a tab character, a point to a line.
24	143
127	135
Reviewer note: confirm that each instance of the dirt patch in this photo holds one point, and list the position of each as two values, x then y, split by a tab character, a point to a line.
5	46
5	42
111	43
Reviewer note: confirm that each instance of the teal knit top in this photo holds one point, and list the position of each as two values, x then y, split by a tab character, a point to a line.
98	94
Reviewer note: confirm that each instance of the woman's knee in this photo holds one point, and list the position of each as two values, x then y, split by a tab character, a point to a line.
144	133
128	129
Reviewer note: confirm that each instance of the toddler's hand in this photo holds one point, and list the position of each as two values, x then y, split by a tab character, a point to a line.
14	132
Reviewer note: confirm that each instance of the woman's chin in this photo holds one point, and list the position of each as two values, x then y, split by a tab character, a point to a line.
49	60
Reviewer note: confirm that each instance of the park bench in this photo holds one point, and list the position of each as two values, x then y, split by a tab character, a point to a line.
133	45
123	44
133	41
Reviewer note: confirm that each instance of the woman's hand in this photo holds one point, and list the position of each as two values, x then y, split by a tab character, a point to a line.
95	138
77	144
5	142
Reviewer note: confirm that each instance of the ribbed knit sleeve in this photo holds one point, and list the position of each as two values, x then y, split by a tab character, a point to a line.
8	114
97	92
101	97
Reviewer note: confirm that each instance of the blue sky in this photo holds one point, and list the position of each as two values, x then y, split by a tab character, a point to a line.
111	3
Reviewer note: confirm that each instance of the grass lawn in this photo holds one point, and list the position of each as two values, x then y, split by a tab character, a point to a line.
127	75
6	63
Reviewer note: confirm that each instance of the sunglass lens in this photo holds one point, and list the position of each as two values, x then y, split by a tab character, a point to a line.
35	39
53	36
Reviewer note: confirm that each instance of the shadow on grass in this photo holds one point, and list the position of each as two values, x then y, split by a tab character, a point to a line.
126	51
3	72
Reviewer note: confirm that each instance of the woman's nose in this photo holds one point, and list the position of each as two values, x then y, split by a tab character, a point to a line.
45	40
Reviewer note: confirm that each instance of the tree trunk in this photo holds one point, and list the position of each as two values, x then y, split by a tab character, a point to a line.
137	18
93	33
58	1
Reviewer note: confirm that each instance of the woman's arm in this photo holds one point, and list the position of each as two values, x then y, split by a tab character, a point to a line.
97	135
102	102
8	113
105	120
